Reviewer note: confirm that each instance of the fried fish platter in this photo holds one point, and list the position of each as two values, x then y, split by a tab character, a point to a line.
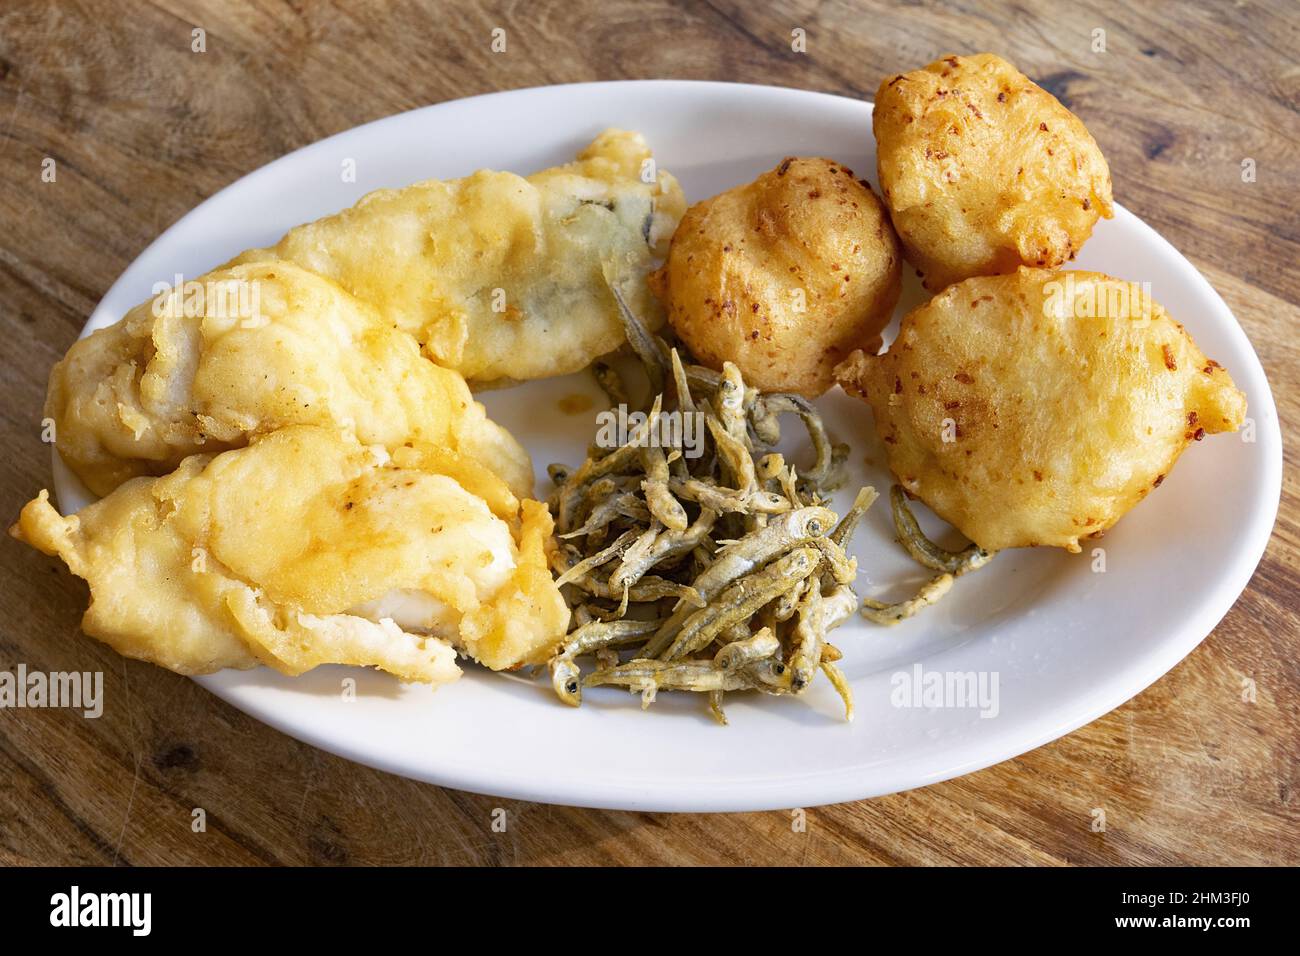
983	171
244	351
307	548
1037	408
499	277
783	276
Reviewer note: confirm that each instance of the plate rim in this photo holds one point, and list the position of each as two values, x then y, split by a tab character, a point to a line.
608	794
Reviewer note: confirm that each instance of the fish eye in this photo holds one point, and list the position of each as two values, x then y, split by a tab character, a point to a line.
571	687
814	527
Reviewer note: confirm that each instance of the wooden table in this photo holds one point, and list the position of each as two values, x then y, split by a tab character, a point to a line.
142	128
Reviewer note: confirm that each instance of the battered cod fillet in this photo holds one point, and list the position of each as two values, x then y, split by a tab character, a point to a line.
497	276
244	351
308	548
1036	408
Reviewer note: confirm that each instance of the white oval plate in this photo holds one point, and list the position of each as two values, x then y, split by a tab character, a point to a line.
1065	643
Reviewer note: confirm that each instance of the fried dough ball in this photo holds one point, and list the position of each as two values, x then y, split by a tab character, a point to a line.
1037	408
983	171
783	276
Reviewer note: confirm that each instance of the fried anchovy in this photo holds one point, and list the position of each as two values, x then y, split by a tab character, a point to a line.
650	676
812	422
788	603
715	707
728	500
770	467
887	614
685	402
838	564
790	486
599	634
566	676
667	509
610	382
784	533
749	650
649	588
663	546
764	422
739	602
838	605
730	402
570	494
566	679
924	551
648	347
620	545
732	452
849	523
608	511
841	685
809	632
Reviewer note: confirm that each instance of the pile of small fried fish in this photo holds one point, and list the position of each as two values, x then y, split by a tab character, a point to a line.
717	568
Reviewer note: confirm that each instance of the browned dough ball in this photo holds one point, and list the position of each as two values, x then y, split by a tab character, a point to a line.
983	171
1038	408
784	276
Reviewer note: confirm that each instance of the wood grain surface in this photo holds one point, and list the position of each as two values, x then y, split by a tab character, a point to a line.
142	128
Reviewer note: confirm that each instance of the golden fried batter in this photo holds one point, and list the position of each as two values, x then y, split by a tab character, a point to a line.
497	276
307	548
783	276
1037	408
983	171
243	351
